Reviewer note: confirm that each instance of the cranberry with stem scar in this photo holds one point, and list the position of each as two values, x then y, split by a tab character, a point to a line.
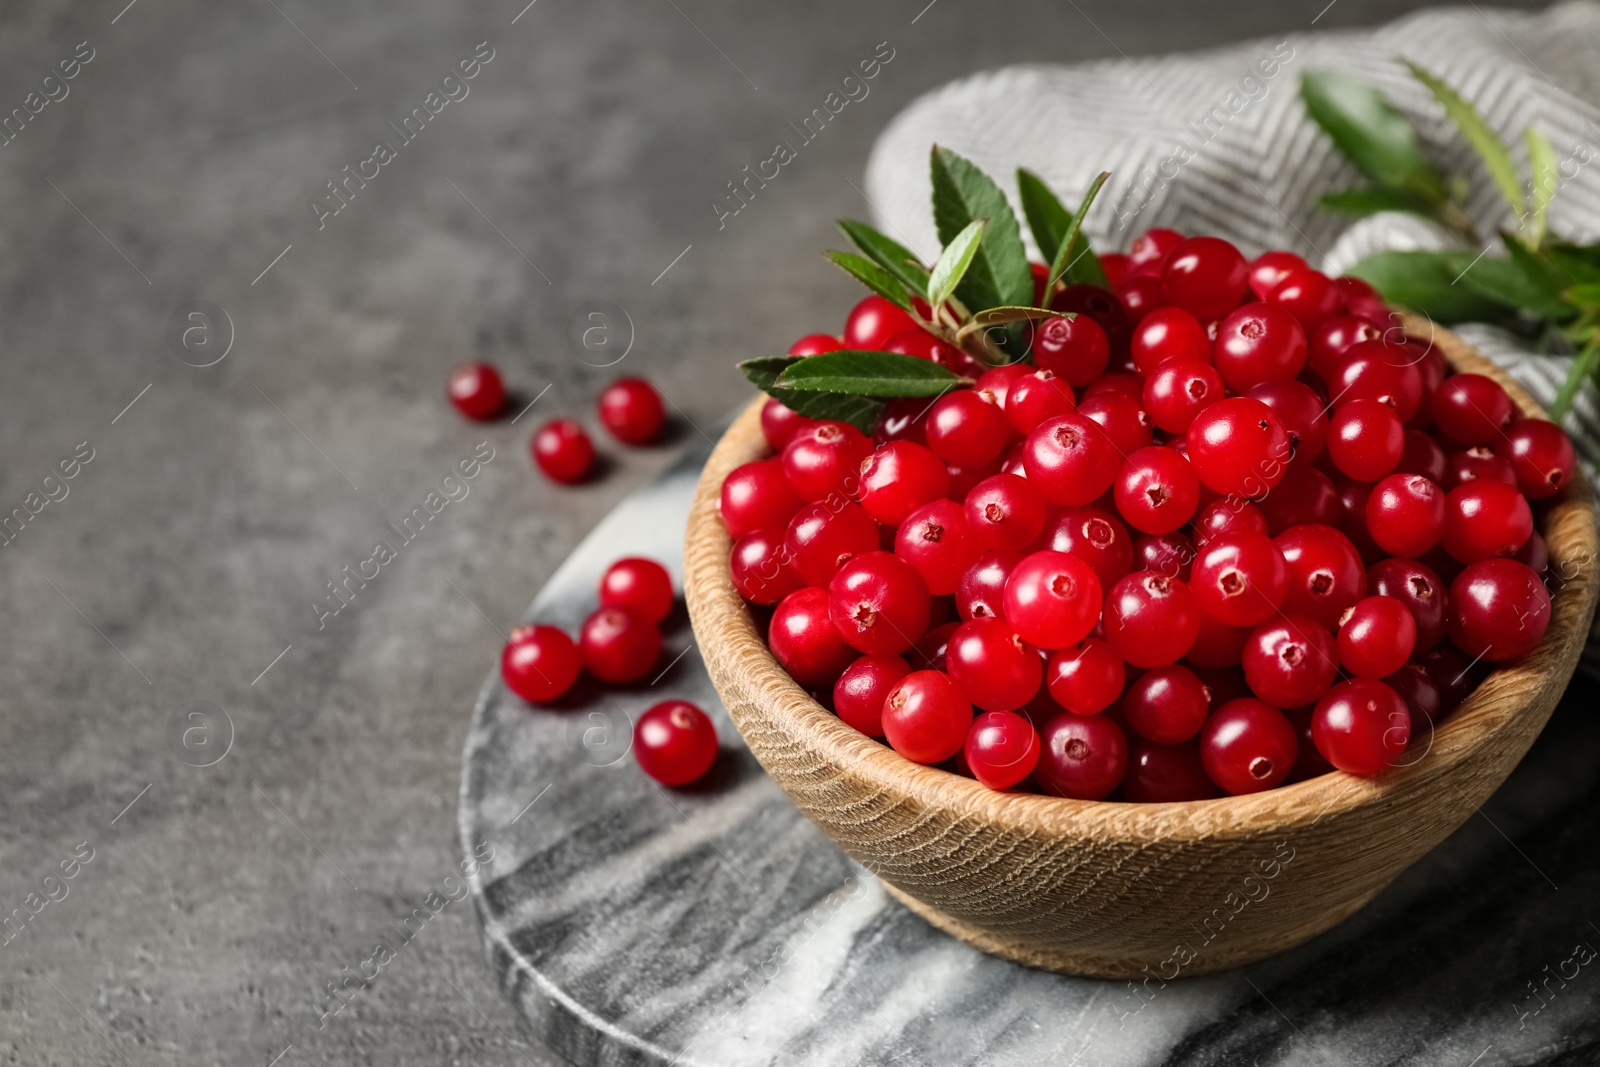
1289	660
1150	620
993	666
675	742
1361	726
619	646
1052	599
925	717
879	603
1086	677
859	693
1248	746
1082	757
936	540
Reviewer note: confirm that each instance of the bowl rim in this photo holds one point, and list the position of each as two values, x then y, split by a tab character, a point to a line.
728	636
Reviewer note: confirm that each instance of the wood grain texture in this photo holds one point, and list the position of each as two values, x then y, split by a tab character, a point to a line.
1123	890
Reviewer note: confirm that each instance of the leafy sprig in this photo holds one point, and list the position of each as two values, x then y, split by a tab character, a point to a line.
972	297
1528	279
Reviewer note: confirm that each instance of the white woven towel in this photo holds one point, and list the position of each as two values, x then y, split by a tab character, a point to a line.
1219	142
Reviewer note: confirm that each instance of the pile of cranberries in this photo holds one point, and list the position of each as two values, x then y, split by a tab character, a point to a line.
620	642
1227	527
630	409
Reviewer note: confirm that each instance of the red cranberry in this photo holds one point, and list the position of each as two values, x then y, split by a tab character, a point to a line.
1541	455
1405	514
1534	554
1303	414
632	410
1239	447
619	646
1002	748
1334	338
1156	490
995	383
1417	587
1288	661
1472	409
1168	333
804	641
1227	514
1499	609
1325	572
1167	704
1361	726
1477	463
905	418
757	495
1308	295
825	459
1165	774
1070	459
822	538
1052	599
899	478
1413	684
1269	268
1452	672
1150	620
1259	343
1422	455
966	430
1005	512
642	586
1248	746
1075	350
762	569
815	344
1095	537
1116	265
1484	518
1082	757
563	451
1086	677
1206	276
964	480
1376	637
779	423
1178	390
1352	522
1170	555
936	540
1149	250
1122	382
1377	371
675	742
477	391
981	593
859	693
1365	440
1304	495
539	663
1101	305
1239	579
925	717
1121	416
929	651
993	666
873	321
1035	397
879	603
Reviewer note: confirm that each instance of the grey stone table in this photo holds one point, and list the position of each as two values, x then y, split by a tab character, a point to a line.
245	859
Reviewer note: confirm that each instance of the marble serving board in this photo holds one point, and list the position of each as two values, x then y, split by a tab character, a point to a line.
715	926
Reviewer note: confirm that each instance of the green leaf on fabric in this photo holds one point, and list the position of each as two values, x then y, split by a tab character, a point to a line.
1490	148
1070	242
1425	282
1544	172
1371	132
1371	199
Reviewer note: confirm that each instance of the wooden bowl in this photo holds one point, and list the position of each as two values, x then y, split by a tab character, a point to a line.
1120	890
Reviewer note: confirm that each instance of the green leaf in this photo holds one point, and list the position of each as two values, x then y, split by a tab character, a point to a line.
1585	297
861	373
1583	368
1542	168
1371	132
962	194
1069	242
1506	280
1425	283
1545	281
1372	199
1496	156
872	276
1579	262
1047	218
888	253
954	262
859	411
